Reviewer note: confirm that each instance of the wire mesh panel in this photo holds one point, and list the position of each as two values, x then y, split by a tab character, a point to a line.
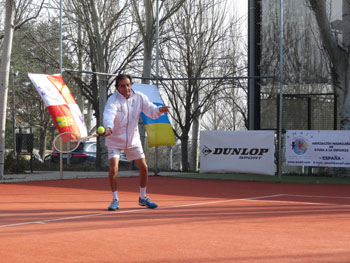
324	114
295	113
301	112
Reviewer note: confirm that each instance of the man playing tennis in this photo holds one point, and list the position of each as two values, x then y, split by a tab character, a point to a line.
120	118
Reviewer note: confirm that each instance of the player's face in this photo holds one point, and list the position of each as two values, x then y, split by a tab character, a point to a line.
124	87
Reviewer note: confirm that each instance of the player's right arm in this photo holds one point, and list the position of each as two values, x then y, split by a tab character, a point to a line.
108	131
109	114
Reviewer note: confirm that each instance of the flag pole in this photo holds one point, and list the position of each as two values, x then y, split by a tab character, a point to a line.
156	170
60	58
60	62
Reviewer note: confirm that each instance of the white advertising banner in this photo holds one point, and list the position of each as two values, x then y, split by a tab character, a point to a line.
237	152
318	148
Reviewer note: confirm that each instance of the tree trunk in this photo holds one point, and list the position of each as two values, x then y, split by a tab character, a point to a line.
148	42
339	59
80	97
147	57
102	154
42	141
184	153
88	117
195	135
4	75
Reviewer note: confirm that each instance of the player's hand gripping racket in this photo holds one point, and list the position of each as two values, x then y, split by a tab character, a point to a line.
68	141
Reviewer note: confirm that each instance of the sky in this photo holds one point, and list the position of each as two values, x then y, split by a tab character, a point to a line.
241	6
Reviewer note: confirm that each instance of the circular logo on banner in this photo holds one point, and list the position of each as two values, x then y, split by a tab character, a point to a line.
299	146
206	150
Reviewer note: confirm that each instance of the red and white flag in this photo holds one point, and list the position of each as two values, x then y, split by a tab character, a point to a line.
60	102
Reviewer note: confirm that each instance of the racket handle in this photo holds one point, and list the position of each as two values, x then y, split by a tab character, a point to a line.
89	137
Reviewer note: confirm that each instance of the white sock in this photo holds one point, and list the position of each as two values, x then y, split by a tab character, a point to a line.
143	192
115	195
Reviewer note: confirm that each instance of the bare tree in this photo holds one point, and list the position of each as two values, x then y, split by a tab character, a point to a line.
4	75
228	109
194	33
145	17
26	11
32	52
339	56
15	18
305	61
105	46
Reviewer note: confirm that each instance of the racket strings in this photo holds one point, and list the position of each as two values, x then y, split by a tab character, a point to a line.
66	142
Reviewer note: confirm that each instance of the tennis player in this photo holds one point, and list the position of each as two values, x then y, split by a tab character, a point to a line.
120	118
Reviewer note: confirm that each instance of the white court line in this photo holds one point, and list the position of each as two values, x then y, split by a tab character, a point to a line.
308	203
131	211
255	199
319	196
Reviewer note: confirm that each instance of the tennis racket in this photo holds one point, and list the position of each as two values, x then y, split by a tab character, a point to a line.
68	141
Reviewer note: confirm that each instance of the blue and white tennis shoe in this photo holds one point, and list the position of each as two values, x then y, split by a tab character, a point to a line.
147	202
114	205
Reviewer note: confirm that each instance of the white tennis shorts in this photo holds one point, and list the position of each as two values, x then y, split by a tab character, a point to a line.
131	154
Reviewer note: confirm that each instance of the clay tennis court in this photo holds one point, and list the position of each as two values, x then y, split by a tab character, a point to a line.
197	221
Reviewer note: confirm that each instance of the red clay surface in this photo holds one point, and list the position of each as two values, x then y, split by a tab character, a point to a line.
197	221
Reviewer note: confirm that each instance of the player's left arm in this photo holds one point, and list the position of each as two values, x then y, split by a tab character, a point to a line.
151	110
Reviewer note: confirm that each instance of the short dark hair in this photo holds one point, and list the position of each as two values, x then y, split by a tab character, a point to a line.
121	77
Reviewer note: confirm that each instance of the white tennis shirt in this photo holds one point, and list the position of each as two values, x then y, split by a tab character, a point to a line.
122	116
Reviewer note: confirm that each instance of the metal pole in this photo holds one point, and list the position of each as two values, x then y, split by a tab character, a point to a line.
251	64
14	75
156	171
200	78
281	95
61	154
60	61
157	44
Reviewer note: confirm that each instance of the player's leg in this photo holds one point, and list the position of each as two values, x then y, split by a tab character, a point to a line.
143	172
113	179
136	153
113	172
143	176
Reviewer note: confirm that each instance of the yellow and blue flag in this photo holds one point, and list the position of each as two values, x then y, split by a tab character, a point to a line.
159	131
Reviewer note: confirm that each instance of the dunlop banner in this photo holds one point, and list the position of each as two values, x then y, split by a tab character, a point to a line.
237	152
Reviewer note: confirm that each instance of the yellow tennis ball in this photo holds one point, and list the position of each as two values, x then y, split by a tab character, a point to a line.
101	130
